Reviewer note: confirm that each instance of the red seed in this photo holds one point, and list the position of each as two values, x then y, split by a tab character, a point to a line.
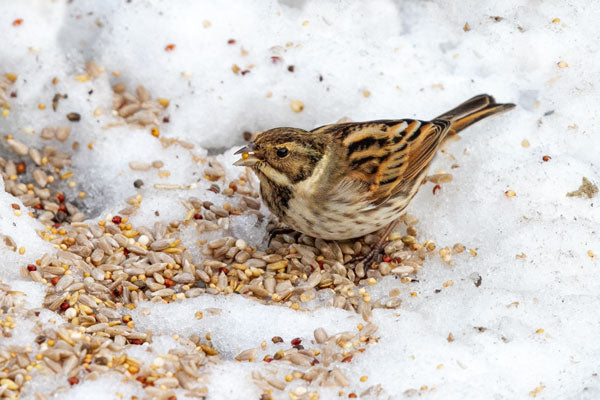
347	359
64	306
352	396
387	259
320	262
169	282
17	22
125	252
231	41
62	208
223	270
546	158
268	359
398	260
170	47
246	71
21	168
314	362
15	206
57	225
275	59
436	188
73	380
116	220
296	341
54	280
31	267
172	398
136	341
60	197
197	216
38	206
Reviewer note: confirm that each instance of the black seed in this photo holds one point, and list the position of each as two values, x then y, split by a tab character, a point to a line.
138	183
74	117
247	136
61	216
291	68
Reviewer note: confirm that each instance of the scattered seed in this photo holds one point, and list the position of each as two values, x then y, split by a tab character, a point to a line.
74	117
297	106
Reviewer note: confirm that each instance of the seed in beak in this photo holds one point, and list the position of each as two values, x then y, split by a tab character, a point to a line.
245	155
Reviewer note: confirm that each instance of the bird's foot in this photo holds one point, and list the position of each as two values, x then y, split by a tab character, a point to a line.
372	256
279	231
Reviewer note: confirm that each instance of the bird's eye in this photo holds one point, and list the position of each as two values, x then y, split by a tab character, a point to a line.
282	152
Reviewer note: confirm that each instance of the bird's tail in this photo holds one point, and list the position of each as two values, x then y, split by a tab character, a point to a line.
473	110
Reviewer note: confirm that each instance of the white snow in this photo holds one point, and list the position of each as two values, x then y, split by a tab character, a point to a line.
415	60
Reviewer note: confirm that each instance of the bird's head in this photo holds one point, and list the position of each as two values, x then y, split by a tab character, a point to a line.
283	156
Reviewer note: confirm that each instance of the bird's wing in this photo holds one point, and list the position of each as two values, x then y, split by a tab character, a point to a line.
386	157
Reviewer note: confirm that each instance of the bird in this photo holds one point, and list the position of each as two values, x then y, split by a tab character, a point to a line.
346	180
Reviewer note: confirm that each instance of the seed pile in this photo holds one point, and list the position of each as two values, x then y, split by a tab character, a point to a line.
80	353
139	109
36	179
315	366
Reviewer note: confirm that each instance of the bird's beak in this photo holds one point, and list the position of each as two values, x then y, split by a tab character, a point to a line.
249	157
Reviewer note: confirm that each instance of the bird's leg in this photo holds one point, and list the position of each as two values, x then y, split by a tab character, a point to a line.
368	259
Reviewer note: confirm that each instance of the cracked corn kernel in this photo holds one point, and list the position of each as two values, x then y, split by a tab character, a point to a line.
510	193
21	250
155	132
11	77
82	78
562	64
364	378
41	106
556	20
591	254
163	102
289	378
539	331
297	106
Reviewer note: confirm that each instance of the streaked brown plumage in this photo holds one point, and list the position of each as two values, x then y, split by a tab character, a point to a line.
346	180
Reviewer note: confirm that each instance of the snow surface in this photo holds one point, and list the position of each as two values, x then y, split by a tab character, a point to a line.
416	60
